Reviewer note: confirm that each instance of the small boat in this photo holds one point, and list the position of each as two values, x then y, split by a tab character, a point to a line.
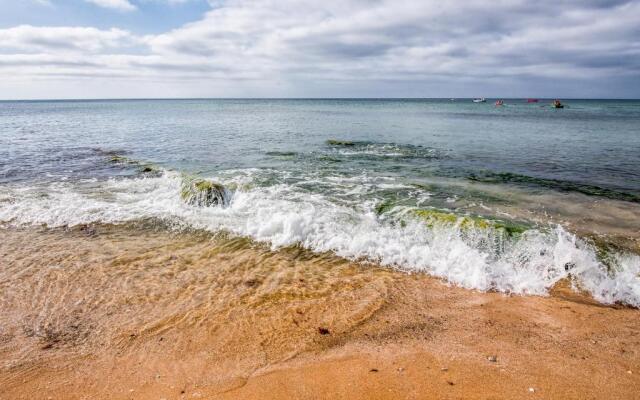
480	100
499	103
557	104
532	100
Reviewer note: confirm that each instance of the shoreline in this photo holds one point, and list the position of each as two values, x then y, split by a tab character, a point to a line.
118	313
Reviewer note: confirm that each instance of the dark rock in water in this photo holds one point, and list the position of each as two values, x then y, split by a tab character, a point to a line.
118	159
203	193
147	168
334	142
143	167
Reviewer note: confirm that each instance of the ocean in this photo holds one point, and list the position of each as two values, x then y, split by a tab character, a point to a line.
514	199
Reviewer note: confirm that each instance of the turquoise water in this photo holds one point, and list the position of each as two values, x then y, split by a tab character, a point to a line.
420	185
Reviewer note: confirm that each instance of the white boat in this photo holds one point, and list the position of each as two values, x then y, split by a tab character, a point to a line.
480	100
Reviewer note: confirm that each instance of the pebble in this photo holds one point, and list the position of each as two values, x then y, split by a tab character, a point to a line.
444	369
493	358
532	390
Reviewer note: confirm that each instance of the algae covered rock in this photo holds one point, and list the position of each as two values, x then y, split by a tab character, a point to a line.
203	193
465	223
490	236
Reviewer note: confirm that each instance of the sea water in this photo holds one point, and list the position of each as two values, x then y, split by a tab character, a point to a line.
513	198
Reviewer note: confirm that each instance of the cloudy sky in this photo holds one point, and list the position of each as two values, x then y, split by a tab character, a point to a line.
329	48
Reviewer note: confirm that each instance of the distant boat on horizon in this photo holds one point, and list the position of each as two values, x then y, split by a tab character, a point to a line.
532	100
480	100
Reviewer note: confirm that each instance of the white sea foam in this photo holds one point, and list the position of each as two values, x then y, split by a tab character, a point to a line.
283	215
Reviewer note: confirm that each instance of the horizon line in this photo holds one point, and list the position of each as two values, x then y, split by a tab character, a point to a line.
306	98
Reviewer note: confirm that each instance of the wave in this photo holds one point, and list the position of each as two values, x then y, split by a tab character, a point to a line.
555	184
472	255
382	150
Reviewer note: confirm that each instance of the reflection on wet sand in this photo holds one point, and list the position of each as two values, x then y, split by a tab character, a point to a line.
130	312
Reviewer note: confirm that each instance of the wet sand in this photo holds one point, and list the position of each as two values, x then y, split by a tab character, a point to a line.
102	312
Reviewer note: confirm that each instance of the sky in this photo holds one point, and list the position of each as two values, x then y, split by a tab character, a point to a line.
331	48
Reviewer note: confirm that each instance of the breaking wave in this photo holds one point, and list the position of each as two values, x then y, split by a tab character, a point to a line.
475	256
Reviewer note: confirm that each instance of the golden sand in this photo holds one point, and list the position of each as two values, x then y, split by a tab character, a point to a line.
104	312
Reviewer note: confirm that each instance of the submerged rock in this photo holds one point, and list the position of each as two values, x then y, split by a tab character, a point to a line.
335	142
143	167
148	168
203	193
119	159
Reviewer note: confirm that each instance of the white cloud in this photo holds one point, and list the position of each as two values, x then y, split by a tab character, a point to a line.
294	47
120	5
61	40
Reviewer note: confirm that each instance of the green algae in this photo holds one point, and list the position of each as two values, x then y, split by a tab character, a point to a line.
384	207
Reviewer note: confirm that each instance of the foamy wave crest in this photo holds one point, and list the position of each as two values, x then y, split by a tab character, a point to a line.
283	214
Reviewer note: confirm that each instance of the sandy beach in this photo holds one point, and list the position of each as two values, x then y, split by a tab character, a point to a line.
108	312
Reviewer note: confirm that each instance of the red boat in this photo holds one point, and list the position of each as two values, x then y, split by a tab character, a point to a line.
532	100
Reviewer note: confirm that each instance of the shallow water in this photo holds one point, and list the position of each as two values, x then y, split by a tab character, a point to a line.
513	198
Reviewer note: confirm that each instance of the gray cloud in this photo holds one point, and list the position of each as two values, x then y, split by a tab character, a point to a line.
394	47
